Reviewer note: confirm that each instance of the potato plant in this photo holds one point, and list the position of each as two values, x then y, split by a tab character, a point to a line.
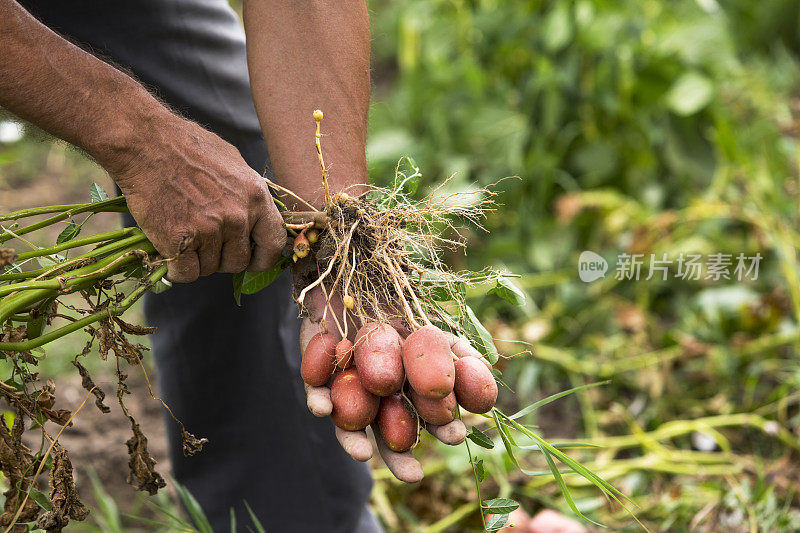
407	349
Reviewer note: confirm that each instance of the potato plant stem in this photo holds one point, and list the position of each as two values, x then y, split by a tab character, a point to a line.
73	208
76	243
110	205
136	237
32	292
111	310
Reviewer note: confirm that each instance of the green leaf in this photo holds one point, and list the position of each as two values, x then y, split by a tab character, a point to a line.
690	93
480	438
482	335
410	184
161	286
496	522
155	522
192	506
562	485
12	269
42	500
97	193
553	397
233	521
560	445
254	518
238	279
547	450
508	292
170	515
70	232
499	506
136	272
480	471
252	282
109	516
557	29
46	262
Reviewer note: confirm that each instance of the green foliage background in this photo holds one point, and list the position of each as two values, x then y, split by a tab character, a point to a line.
633	126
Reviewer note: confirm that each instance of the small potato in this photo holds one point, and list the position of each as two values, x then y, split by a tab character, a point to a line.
462	348
318	360
378	358
436	412
354	407
344	354
429	362
398	425
475	387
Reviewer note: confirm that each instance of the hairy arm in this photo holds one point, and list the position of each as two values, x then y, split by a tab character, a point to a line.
302	56
68	92
182	183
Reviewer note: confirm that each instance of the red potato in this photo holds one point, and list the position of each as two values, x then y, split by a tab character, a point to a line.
378	358
462	348
518	520
397	424
429	362
437	412
354	407
475	387
344	354
319	360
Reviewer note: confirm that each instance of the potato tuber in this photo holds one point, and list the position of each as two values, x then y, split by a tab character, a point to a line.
378	358
436	412
428	362
397	424
344	354
319	359
475	387
354	407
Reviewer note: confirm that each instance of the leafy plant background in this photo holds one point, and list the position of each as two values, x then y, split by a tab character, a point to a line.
633	126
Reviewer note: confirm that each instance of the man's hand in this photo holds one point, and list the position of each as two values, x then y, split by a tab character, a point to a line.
191	192
184	184
356	443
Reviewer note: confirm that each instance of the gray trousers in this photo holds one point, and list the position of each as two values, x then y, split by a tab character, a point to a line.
231	374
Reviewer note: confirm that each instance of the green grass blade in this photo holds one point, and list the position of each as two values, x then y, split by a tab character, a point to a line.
545	401
186	525
170	527
193	508
254	518
563	486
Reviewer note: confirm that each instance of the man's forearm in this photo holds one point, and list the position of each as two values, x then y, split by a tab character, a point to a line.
70	93
302	56
192	193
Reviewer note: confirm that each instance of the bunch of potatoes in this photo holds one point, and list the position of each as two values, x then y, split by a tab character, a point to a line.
438	369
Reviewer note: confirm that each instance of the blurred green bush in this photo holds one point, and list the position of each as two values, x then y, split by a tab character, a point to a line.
641	126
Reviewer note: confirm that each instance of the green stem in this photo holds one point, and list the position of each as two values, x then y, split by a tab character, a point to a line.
111	205
137	237
112	310
76	243
34	291
33	211
477	483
